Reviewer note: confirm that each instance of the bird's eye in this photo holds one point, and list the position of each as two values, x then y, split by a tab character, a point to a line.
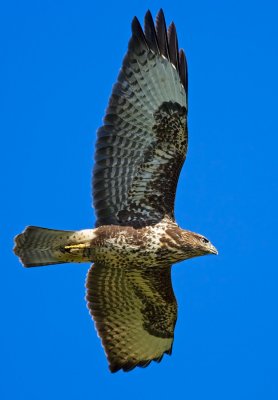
204	240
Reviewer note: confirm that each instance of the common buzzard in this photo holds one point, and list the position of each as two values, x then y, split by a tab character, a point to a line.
139	154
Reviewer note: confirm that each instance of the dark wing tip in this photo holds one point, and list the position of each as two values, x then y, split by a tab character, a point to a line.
115	366
160	40
173	45
137	32
135	24
161	33
150	32
183	69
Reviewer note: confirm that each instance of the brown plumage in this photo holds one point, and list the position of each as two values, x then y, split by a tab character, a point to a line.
139	154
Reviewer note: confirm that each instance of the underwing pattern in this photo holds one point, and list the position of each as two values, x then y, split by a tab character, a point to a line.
136	317
142	145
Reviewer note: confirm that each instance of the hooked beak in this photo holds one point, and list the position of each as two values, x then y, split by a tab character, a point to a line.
213	249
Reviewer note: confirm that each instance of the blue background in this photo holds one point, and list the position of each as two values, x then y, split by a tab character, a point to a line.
59	60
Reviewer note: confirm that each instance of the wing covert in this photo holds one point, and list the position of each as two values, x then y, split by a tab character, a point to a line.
142	145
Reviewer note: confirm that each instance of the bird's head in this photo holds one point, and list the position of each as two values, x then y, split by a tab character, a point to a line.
197	245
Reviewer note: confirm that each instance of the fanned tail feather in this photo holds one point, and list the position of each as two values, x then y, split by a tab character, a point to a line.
37	246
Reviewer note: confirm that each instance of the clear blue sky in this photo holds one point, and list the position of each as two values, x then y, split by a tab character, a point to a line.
59	60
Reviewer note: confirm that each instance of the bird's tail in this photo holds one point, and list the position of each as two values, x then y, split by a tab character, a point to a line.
37	246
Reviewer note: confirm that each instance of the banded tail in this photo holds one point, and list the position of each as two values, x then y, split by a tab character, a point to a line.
37	246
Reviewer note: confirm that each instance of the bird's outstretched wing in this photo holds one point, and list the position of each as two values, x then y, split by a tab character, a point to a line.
135	311
142	145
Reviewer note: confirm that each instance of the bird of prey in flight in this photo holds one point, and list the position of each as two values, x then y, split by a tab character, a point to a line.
139	153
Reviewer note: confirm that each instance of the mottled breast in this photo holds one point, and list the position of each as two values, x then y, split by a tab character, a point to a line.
148	245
